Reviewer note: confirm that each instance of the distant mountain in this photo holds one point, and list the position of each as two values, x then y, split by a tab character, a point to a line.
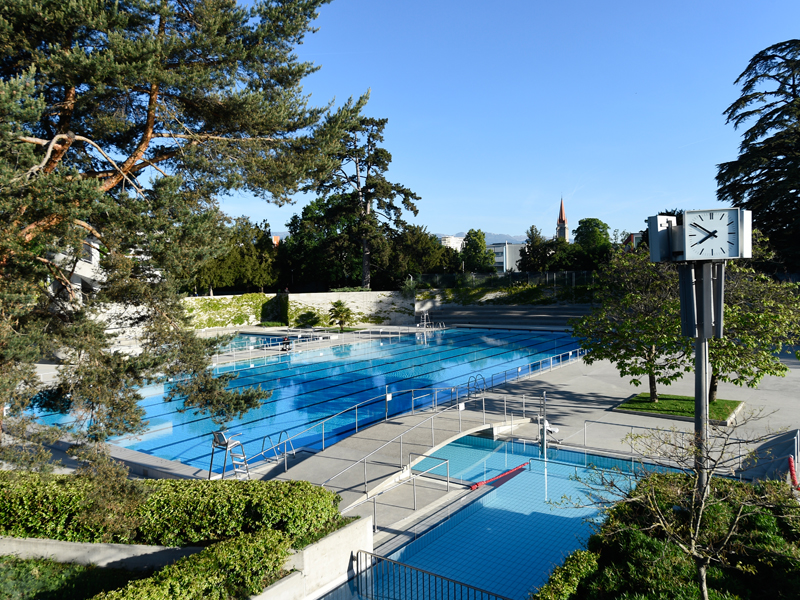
498	238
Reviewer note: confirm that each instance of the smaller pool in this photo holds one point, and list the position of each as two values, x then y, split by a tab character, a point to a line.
509	540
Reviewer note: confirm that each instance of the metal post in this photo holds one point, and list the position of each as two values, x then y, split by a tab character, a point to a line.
285	456
432	436
365	478
323	435
523	406
505	412
448	475
374	514
414	485
401	452
484	408
356	418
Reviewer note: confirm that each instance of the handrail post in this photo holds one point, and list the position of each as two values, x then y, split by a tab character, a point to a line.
523	406
432	437
401	453
484	408
414	484
356	418
285	457
374	514
365	478
448	475
323	435
505	412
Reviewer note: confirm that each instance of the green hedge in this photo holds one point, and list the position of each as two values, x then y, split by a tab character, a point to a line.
174	513
236	568
564	580
187	512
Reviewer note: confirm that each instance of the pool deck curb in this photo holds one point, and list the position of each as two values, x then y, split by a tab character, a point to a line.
730	421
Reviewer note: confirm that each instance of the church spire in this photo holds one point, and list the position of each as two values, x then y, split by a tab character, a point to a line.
562	230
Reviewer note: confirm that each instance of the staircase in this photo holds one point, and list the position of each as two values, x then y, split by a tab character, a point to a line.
547	317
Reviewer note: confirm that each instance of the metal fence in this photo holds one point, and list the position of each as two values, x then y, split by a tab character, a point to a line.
379	578
397	402
557	279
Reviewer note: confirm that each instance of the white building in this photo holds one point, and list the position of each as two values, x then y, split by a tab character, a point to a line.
506	256
452	241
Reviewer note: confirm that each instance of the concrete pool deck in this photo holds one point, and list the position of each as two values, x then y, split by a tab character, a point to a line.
579	396
577	393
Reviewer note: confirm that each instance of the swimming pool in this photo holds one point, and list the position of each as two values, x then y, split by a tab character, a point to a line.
310	386
507	540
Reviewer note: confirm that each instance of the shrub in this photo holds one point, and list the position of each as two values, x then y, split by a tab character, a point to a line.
564	580
175	512
234	568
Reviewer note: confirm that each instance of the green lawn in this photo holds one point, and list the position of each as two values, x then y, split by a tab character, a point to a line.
48	580
682	406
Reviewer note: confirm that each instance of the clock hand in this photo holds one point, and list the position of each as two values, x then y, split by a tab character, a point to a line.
701	227
710	234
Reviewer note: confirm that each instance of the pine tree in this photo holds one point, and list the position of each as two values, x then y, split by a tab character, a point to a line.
119	125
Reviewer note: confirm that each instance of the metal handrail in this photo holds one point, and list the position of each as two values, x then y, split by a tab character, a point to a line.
470	387
437	586
412	477
400	437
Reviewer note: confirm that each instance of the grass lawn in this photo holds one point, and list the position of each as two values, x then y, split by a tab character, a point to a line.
49	580
682	406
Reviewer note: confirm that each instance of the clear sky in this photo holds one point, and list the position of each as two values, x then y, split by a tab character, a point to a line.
498	109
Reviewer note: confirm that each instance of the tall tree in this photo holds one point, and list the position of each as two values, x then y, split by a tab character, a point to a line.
637	324
199	96
416	251
360	172
535	255
324	244
476	256
765	178
761	321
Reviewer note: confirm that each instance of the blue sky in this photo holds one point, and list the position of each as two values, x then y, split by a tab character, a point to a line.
498	109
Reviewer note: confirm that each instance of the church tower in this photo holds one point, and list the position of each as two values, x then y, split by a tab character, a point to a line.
562	230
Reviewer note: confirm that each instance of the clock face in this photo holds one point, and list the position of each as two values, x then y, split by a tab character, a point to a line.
711	234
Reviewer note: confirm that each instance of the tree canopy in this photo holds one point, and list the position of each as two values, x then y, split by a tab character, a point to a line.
360	174
476	256
636	325
765	178
119	123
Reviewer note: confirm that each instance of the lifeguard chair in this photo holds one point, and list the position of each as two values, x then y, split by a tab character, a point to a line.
233	448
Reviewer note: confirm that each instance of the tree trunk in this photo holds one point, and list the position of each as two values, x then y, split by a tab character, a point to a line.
701	579
712	388
651	378
365	274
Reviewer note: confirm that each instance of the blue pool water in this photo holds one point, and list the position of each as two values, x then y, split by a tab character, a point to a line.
312	385
506	541
509	540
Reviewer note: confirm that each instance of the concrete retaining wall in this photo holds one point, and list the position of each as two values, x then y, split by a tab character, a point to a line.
322	566
375	308
120	556
318	568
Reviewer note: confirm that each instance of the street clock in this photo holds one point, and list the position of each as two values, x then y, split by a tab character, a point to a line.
705	235
720	234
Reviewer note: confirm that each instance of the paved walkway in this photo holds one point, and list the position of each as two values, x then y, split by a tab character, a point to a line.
580	398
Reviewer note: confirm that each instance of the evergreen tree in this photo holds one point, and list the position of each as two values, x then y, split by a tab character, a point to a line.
765	178
534	257
476	256
199	97
359	173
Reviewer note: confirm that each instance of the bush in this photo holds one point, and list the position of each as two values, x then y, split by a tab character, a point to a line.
235	568
188	512
564	580
175	512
